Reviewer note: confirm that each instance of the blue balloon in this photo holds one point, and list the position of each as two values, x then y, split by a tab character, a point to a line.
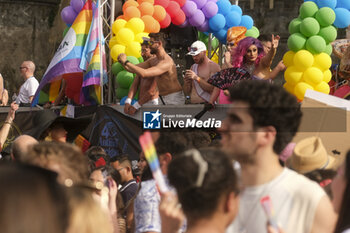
221	35
122	101
237	9
247	21
326	3
224	6
343	4
217	22
342	18
233	19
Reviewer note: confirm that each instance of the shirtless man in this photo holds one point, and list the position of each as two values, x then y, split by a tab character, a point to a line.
148	87
196	87
161	68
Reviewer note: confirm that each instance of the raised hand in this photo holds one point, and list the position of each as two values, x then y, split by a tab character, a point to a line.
275	40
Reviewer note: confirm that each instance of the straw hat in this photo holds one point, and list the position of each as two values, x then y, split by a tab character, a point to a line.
310	154
235	34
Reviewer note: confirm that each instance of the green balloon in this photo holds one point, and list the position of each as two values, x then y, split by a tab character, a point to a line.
315	44
309	27
308	9
140	59
124	79
116	68
133	60
325	16
296	42
329	49
65	31
253	32
121	92
329	34
294	26
202	36
214	43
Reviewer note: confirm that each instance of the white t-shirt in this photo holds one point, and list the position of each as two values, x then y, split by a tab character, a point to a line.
27	90
294	199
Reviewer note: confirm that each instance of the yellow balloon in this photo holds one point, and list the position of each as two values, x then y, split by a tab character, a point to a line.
214	58
327	76
289	87
136	25
313	76
322	61
139	37
113	42
322	87
133	49
116	50
124	36
300	89
303	59
117	25
292	75
288	58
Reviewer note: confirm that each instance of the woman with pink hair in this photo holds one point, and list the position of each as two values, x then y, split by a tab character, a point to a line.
250	55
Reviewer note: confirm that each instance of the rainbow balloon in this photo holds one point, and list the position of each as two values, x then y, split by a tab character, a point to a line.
149	150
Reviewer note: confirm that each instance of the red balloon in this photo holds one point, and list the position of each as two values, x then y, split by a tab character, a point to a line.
179	18
173	9
181	2
163	3
165	22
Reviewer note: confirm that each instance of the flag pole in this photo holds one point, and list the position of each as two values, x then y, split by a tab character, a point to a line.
100	32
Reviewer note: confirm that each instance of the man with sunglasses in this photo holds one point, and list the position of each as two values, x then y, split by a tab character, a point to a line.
161	68
29	87
195	79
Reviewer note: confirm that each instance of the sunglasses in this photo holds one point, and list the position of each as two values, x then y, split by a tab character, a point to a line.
230	44
192	49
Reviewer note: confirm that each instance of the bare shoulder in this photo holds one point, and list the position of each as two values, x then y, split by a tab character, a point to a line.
214	67
325	217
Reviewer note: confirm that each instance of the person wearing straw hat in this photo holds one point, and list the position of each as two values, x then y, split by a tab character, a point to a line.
310	154
50	127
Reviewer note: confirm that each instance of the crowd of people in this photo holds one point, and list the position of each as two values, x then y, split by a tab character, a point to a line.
254	179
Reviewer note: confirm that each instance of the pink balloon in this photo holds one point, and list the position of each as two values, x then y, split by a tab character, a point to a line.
179	18
77	5
204	27
197	19
173	9
189	8
68	15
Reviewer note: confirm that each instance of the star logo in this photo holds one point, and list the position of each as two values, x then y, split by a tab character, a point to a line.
151	120
156	115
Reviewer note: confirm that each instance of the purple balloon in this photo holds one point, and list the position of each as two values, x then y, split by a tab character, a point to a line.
68	15
212	0
204	27
77	5
197	19
200	3
210	9
189	8
184	24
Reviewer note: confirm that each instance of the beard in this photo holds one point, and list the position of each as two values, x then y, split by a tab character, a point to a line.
154	50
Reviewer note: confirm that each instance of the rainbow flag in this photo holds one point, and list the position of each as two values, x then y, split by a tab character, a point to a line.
49	92
91	63
68	55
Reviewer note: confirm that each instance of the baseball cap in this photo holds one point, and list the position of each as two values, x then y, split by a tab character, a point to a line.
196	48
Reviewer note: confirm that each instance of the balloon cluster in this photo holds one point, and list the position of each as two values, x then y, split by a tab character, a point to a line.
341	9
174	13
309	60
123	78
69	13
128	37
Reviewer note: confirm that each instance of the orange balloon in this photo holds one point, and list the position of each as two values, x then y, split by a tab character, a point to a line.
156	26
150	1
159	13
131	12
149	23
146	8
129	3
120	17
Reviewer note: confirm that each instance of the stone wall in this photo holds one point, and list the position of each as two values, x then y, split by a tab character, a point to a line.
30	30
